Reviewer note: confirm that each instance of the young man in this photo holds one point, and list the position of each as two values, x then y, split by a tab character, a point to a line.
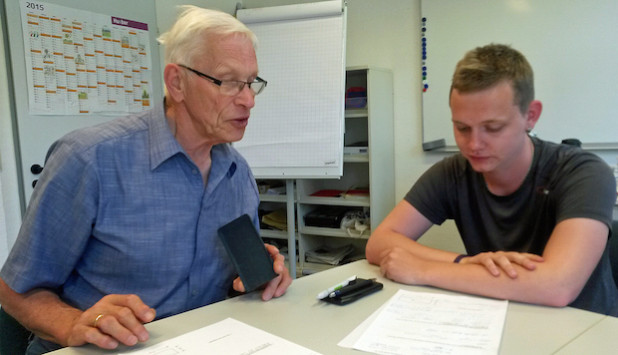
534	216
122	226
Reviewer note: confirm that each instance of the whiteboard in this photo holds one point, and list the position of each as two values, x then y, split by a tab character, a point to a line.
296	126
572	48
36	132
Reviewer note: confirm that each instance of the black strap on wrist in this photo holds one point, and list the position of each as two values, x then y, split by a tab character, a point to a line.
459	257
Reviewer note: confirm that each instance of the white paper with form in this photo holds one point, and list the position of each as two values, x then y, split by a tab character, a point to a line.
429	323
229	337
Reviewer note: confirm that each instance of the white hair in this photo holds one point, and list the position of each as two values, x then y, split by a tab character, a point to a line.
188	38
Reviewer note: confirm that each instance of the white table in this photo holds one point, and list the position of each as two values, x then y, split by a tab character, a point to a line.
601	338
302	319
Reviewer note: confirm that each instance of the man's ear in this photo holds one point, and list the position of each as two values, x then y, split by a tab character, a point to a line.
533	114
174	82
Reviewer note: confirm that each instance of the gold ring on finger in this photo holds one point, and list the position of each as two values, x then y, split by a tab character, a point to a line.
97	319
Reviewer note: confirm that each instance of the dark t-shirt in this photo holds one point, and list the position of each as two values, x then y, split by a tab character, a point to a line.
564	182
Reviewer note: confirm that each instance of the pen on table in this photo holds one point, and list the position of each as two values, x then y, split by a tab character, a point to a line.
351	288
328	291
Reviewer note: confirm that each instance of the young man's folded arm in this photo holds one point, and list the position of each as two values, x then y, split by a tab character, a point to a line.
571	255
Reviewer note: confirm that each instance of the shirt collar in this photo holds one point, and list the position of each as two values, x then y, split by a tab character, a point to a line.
163	146
162	143
223	164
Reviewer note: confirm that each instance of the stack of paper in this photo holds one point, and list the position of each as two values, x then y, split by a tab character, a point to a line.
229	337
429	323
277	219
329	255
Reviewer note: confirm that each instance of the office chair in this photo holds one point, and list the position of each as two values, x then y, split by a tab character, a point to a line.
572	141
613	251
13	336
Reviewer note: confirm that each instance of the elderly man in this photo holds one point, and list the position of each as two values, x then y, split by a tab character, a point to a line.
122	226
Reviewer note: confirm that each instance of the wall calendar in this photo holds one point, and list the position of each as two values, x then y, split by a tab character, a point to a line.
80	62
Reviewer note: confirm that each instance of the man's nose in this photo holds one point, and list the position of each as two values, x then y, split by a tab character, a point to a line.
476	139
246	97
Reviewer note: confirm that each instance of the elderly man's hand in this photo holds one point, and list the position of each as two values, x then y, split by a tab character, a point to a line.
277	286
114	319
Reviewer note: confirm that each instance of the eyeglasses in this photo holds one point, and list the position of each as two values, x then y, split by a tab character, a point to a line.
232	87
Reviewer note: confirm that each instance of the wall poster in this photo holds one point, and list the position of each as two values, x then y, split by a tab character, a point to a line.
79	62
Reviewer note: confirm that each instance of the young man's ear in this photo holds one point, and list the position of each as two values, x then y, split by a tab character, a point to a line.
533	114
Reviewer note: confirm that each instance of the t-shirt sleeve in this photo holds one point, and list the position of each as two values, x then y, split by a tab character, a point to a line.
586	189
430	194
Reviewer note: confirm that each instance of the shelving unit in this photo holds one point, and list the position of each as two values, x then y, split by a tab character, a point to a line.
374	170
271	202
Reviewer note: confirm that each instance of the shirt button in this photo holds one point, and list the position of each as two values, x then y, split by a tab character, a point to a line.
194	172
194	293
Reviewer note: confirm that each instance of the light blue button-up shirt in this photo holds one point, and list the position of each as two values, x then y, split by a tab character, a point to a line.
121	208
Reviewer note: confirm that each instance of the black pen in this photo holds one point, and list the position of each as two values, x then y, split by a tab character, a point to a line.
359	284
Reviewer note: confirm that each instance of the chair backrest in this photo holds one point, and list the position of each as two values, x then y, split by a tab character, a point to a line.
13	336
572	141
613	251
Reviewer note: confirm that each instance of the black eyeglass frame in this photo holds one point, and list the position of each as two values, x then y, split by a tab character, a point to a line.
219	82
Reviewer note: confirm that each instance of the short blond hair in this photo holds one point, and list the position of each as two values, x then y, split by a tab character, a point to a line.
189	37
484	67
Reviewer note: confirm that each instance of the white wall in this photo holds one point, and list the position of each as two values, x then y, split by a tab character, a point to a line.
387	34
10	214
